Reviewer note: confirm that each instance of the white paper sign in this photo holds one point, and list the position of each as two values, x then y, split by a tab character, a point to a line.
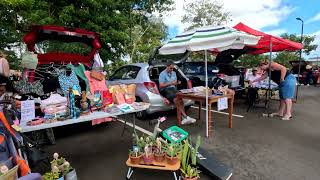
27	110
222	103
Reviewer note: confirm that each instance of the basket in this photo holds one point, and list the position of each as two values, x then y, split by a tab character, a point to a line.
175	134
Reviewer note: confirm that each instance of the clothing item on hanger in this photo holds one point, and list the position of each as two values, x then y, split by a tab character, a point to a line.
95	85
25	87
69	81
97	62
79	70
29	60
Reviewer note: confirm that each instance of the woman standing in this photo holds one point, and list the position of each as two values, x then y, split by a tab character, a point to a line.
287	84
4	65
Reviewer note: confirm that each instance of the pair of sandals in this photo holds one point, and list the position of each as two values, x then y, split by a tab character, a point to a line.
285	117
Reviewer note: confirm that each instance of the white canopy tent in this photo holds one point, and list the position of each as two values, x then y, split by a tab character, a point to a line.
209	38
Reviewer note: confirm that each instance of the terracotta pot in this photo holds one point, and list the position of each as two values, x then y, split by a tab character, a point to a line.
159	157
147	160
194	178
172	160
135	160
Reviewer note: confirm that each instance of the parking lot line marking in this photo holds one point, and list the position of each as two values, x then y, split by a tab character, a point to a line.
137	127
235	115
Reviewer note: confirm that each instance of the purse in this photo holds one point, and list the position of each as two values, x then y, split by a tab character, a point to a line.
97	75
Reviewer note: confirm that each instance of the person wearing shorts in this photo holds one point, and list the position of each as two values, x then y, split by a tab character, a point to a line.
168	88
287	85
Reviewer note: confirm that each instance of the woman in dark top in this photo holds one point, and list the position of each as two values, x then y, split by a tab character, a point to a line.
287	84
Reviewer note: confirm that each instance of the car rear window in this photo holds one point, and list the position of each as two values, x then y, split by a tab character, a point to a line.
49	46
197	68
125	73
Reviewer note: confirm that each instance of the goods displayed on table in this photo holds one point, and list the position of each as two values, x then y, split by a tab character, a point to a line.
59	92
200	90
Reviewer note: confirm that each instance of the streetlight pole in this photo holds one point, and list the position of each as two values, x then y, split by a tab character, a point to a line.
300	54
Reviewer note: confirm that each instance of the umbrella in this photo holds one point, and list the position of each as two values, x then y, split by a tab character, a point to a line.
209	38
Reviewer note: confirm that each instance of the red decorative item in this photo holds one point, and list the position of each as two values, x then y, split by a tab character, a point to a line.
107	97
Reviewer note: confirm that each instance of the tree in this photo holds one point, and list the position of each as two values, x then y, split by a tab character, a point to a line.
308	46
249	60
203	13
307	41
110	18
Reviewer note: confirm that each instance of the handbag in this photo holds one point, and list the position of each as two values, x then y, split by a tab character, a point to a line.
97	75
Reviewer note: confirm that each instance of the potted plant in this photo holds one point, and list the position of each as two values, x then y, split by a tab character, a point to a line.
172	152
135	156
148	155
158	152
60	169
188	169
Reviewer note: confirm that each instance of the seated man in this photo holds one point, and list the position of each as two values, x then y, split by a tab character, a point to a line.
168	88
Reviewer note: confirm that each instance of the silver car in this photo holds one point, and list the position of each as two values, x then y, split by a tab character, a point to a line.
146	78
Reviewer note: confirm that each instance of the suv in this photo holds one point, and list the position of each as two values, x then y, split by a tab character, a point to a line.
146	78
222	65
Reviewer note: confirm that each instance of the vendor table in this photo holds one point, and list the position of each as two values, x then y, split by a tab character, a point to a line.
201	98
155	165
92	116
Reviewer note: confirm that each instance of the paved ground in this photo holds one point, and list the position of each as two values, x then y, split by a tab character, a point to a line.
256	148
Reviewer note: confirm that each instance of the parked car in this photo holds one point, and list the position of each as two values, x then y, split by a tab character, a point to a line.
146	78
224	65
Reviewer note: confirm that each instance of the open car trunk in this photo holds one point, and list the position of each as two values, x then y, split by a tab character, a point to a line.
154	72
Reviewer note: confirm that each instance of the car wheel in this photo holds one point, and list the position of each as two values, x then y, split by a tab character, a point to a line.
142	115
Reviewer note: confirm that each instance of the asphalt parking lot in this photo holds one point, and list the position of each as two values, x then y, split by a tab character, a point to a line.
255	148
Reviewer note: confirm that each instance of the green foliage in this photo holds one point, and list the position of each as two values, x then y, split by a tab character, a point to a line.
173	149
51	176
249	60
189	169
308	40
110	18
203	13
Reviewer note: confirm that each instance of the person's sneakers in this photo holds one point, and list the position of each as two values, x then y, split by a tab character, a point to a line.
187	120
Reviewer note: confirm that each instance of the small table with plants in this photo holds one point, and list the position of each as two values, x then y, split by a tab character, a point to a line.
152	153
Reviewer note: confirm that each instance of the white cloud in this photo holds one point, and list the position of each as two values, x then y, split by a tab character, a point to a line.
314	18
255	13
277	32
316	41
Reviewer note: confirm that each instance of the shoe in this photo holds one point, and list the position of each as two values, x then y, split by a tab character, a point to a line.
186	120
286	118
191	119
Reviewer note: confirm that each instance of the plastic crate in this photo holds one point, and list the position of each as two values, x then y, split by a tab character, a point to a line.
175	134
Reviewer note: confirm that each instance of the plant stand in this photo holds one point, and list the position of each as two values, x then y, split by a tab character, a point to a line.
155	165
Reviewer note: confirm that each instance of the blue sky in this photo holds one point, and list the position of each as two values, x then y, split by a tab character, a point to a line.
271	16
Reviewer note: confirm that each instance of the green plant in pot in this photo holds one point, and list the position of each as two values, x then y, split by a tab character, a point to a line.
158	152
172	152
148	154
135	156
188	169
60	168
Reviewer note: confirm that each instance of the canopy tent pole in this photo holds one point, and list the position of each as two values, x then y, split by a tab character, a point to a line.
269	74
207	111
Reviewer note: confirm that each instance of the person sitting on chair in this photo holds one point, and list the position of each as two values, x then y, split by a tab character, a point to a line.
168	88
253	77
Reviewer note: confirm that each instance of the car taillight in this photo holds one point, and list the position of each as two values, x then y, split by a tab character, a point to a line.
152	87
189	84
